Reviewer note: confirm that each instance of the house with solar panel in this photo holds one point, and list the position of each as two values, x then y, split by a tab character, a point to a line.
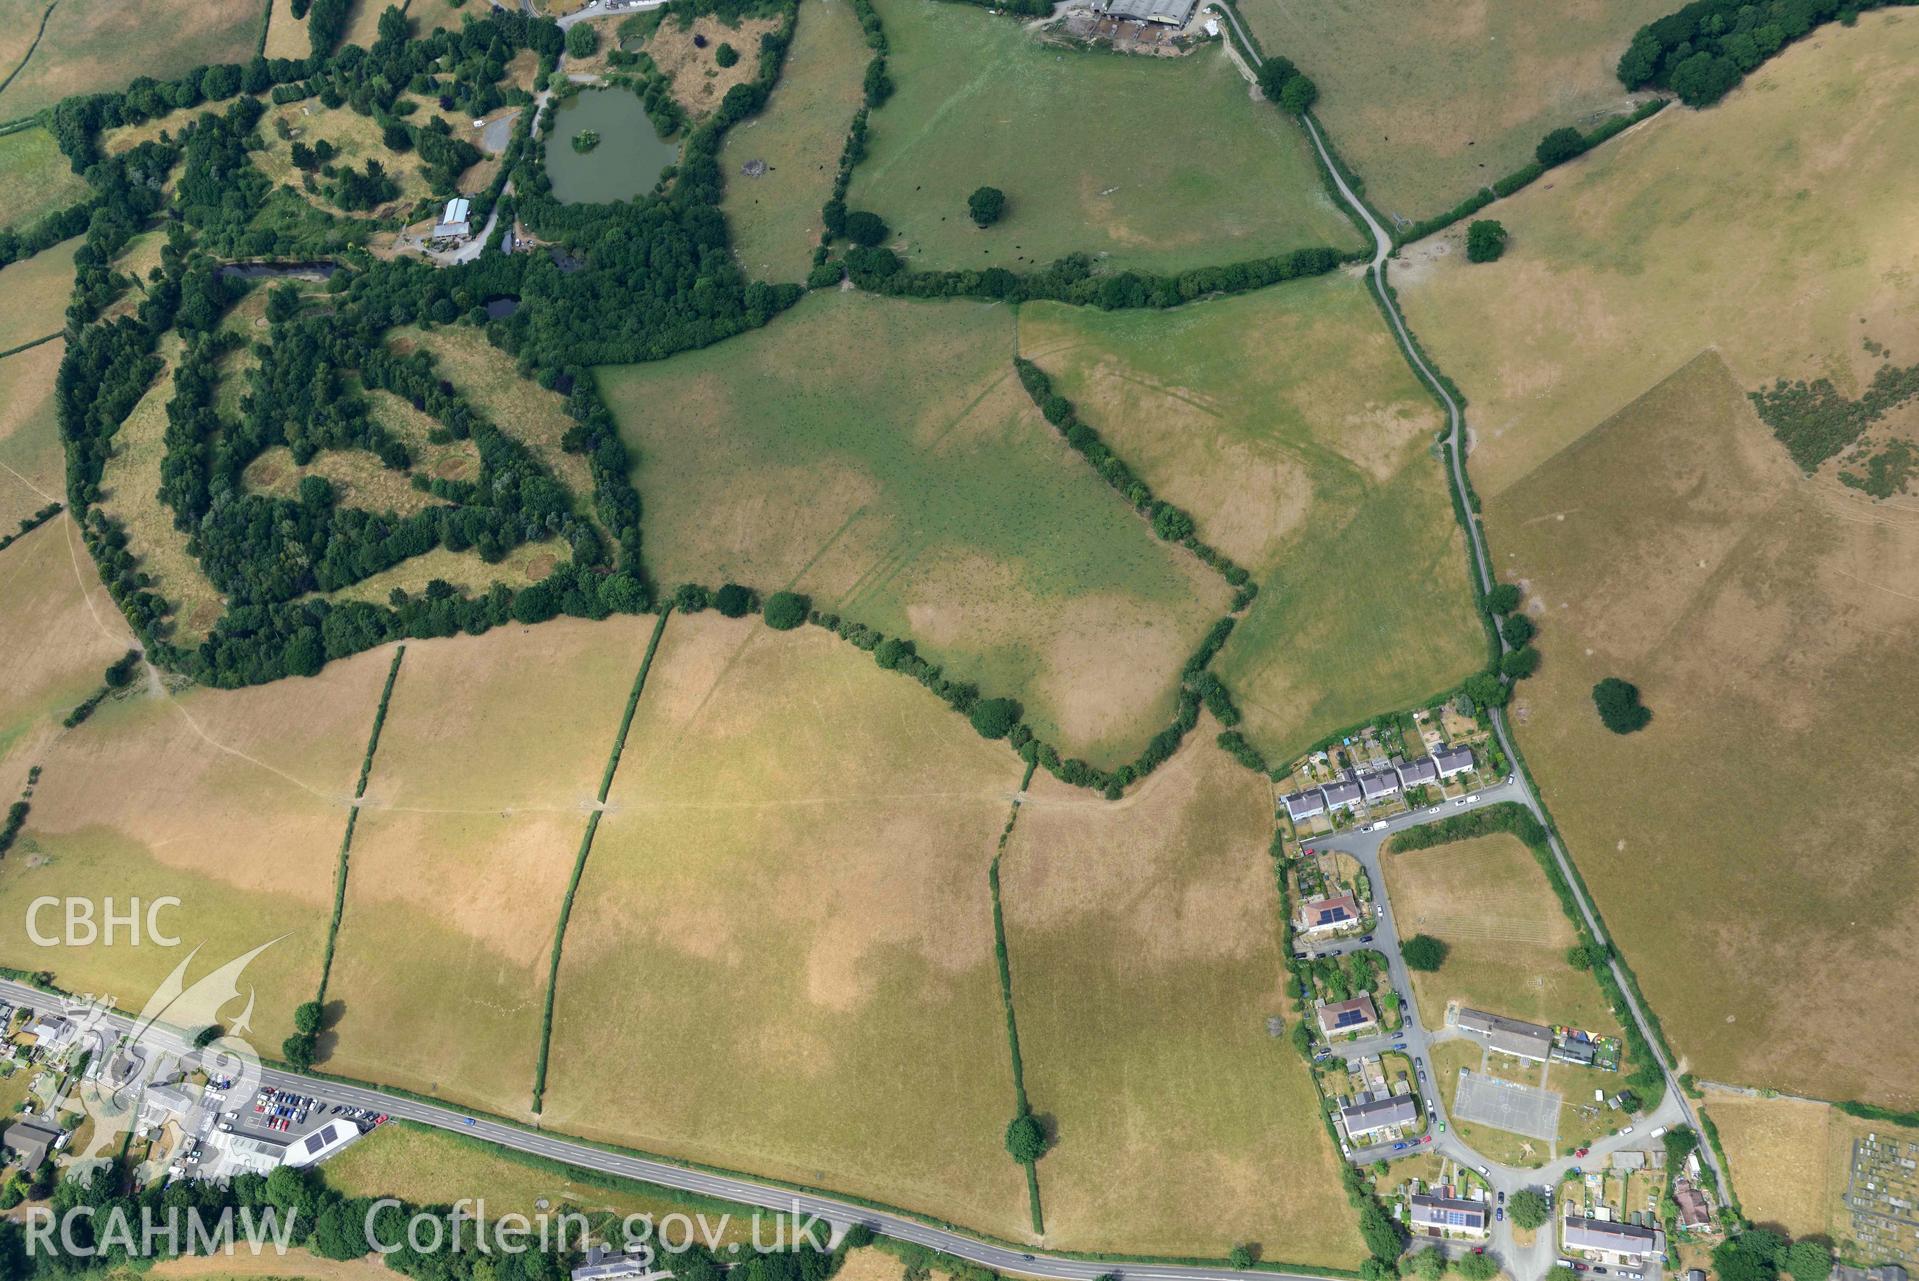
1434	1215
1341	1017
1326	915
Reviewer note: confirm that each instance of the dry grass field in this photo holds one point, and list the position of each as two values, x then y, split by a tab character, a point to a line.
467	570
1778	1152
489	761
92	47
33	467
37	290
358	478
698	81
233	802
19	25
130	487
1487	900
1289	424
1144	943
1430	103
791	882
286	34
58	631
294	1265
1665	537
1150	163
921	493
775	218
35	179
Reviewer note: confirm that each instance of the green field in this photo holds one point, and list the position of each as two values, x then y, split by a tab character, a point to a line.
1430	103
1159	164
33	466
35	179
90	48
917	491
1144	944
1665	537
37	290
1289	424
775	218
781	956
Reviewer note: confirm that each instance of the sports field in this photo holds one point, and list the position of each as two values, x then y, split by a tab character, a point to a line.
37	290
1158	164
1487	900
1431	103
59	630
790	882
1144	944
232	801
1287	422
35	179
489	761
33	466
775	217
916	489
89	48
1665	537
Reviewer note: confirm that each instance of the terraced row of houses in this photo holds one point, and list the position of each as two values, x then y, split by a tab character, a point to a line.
1371	787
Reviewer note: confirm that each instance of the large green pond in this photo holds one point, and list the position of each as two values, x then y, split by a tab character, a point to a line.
628	160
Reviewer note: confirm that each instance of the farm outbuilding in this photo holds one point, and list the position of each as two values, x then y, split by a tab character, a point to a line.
1169	13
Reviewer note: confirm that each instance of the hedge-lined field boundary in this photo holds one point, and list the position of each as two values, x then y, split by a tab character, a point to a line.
1003	963
586	847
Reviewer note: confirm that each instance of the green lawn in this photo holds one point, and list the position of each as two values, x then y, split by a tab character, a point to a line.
1289	424
35	179
775	218
1160	163
913	487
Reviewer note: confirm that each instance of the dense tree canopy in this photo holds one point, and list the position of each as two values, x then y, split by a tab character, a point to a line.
1619	707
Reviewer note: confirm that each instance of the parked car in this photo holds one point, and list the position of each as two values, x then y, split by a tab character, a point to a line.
1461	801
1380	826
1400	1045
1600	1270
1485	1171
1499	1213
1473	799
1442	1127
1581	1151
1367	939
1429	1138
1401	1146
1502	1198
1627	1130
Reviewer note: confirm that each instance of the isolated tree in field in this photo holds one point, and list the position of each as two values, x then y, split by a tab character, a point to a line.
865	229
1521	663
726	55
785	610
1485	240
1528	1208
1503	598
995	717
1241	1256
986	205
306	1017
582	41
1518	629
1025	1140
1423	952
1559	146
733	600
1618	704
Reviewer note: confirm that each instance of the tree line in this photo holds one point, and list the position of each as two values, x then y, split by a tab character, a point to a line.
1703	50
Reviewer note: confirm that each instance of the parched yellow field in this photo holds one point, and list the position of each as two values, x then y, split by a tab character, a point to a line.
921	494
1665	537
489	762
33	465
1287	422
37	290
35	179
1778	1149
467	570
233	802
358	480
791	882
775	217
58	631
1432	102
270	1265
89	48
1144	943
685	56
286	34
129	493
1487	900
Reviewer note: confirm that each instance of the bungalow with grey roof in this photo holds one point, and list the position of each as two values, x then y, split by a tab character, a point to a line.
1453	760
1374	1115
1508	1036
1624	1240
1417	773
1304	805
1438	1215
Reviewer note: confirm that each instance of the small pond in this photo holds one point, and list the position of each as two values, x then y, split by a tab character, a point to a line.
629	159
502	306
271	270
